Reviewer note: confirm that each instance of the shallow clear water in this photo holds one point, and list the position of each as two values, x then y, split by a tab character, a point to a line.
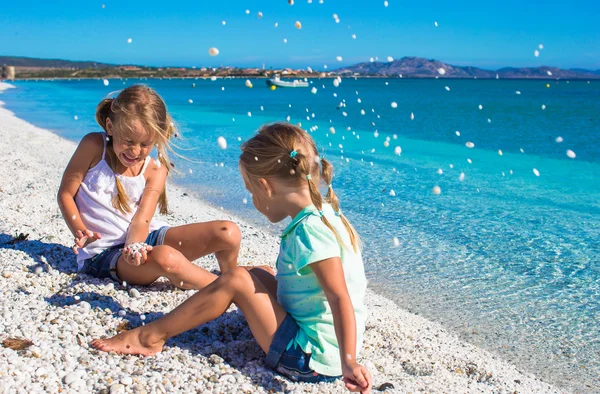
506	259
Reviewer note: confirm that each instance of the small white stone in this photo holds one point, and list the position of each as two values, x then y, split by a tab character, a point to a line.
500	152
129	40
122	313
126	380
398	150
75	117
105	81
390	59
461	177
543	106
536	53
440	171
436	190
392	193
313	90
571	154
470	145
441	71
394	104
213	51
134	293
559	139
396	242
480	106
457	133
412	116
222	142
536	172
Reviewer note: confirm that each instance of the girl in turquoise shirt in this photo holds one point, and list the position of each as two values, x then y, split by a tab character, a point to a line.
310	318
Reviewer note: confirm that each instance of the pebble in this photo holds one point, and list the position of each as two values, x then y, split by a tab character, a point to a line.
126	380
135	293
73	376
117	388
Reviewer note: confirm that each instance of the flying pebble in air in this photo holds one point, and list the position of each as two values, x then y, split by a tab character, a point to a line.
129	40
392	193
447	88
441	71
354	36
385	3
332	130
500	152
436	190
536	53
313	90
435	24
75	117
457	133
480	106
191	101
461	177
390	59
105	81
571	154
223	23
213	51
559	139
260	14
470	145
394	104
285	40
518	92
339	58
222	142
396	242
536	172
543	106
298	25
440	171
398	150
412	116
249	114
248	83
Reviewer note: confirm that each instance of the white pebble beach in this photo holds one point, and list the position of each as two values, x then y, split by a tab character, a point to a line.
45	301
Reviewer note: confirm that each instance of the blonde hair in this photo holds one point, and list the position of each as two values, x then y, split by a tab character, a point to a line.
142	104
269	154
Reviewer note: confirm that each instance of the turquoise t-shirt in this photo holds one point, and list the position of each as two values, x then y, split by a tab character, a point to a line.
307	240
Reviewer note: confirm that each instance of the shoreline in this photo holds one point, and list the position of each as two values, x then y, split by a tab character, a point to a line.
45	301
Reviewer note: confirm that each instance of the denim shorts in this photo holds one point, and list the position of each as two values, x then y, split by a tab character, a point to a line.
293	362
104	265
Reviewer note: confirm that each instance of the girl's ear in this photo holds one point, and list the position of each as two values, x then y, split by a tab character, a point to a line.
266	187
109	125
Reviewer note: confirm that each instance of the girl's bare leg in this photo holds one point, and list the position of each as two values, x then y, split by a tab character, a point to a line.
263	313
200	239
169	262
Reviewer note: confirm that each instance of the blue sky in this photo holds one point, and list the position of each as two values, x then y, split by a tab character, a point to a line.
180	32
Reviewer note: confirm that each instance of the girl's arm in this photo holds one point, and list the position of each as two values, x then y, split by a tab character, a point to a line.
140	224
330	274
88	152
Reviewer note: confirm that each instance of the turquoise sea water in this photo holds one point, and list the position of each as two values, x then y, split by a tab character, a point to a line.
506	259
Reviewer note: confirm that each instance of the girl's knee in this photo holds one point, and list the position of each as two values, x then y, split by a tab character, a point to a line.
167	259
237	278
229	233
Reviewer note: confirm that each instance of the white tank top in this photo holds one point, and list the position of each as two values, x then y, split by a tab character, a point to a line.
94	201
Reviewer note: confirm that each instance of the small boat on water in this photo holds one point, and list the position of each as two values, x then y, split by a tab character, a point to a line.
286	84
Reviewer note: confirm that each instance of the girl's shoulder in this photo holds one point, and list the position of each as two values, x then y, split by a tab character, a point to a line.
93	145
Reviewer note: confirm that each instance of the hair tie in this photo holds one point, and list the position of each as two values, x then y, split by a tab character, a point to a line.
321	213
308	177
330	186
293	154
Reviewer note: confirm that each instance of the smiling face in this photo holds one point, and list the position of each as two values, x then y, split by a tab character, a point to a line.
131	144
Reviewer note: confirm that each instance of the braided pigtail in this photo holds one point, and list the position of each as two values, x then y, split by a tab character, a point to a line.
332	199
307	165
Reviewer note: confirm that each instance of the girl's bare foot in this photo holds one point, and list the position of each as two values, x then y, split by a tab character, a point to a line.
130	342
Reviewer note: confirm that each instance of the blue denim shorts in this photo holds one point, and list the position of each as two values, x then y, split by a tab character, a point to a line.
293	362
104	265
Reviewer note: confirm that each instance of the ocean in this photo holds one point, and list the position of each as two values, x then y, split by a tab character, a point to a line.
506	255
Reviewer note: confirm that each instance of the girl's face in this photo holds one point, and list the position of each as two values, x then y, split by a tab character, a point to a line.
131	146
265	198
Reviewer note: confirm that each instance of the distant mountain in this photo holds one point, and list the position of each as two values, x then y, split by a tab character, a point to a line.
51	63
415	67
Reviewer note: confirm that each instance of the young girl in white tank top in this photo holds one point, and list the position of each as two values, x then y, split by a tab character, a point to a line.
110	191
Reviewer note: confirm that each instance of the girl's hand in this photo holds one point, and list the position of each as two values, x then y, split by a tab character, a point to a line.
84	239
357	377
136	253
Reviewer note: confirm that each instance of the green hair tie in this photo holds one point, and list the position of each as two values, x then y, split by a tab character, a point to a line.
308	177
